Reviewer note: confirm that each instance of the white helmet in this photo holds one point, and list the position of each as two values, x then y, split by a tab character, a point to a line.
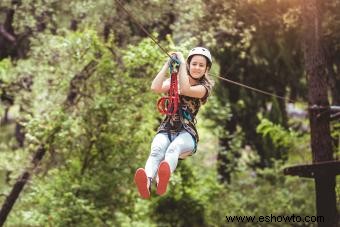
200	51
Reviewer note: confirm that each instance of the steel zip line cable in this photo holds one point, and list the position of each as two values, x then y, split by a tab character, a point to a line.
254	89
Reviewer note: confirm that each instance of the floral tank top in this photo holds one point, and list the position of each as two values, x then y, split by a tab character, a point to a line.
185	118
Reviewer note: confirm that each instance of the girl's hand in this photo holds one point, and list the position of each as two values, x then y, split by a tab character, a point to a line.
168	60
180	57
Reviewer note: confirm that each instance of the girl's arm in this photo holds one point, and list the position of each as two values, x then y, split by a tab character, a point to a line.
161	84
197	91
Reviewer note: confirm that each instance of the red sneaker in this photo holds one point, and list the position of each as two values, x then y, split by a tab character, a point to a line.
163	177
141	181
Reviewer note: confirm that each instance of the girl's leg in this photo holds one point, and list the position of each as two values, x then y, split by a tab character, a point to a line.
159	145
183	144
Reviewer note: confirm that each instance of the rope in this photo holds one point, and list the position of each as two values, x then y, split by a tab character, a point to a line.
254	89
142	27
219	77
169	104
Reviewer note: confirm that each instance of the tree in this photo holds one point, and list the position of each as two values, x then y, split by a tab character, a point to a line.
321	143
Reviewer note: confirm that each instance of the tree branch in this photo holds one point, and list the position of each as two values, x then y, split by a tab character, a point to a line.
6	34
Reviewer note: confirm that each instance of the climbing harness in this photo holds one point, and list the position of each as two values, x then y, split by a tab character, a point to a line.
169	104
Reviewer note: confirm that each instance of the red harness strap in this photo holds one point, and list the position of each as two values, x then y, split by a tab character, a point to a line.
169	104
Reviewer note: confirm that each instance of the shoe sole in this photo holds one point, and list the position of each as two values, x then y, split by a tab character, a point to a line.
141	181
163	176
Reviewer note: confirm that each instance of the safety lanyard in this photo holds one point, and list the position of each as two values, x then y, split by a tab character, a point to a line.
169	104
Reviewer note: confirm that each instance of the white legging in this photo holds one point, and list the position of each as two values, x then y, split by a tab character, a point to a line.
162	148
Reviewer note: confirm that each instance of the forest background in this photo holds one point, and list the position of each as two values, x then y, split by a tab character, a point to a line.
74	84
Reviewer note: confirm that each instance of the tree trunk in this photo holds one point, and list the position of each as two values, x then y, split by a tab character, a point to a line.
19	185
8	38
319	118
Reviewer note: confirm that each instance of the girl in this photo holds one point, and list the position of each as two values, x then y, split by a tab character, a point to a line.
177	136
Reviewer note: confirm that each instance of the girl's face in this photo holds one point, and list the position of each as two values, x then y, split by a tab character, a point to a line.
198	66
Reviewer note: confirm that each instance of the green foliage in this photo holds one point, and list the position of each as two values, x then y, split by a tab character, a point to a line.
279	136
196	198
5	66
110	127
95	144
182	206
335	133
143	60
59	203
287	141
254	47
262	192
337	191
217	112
